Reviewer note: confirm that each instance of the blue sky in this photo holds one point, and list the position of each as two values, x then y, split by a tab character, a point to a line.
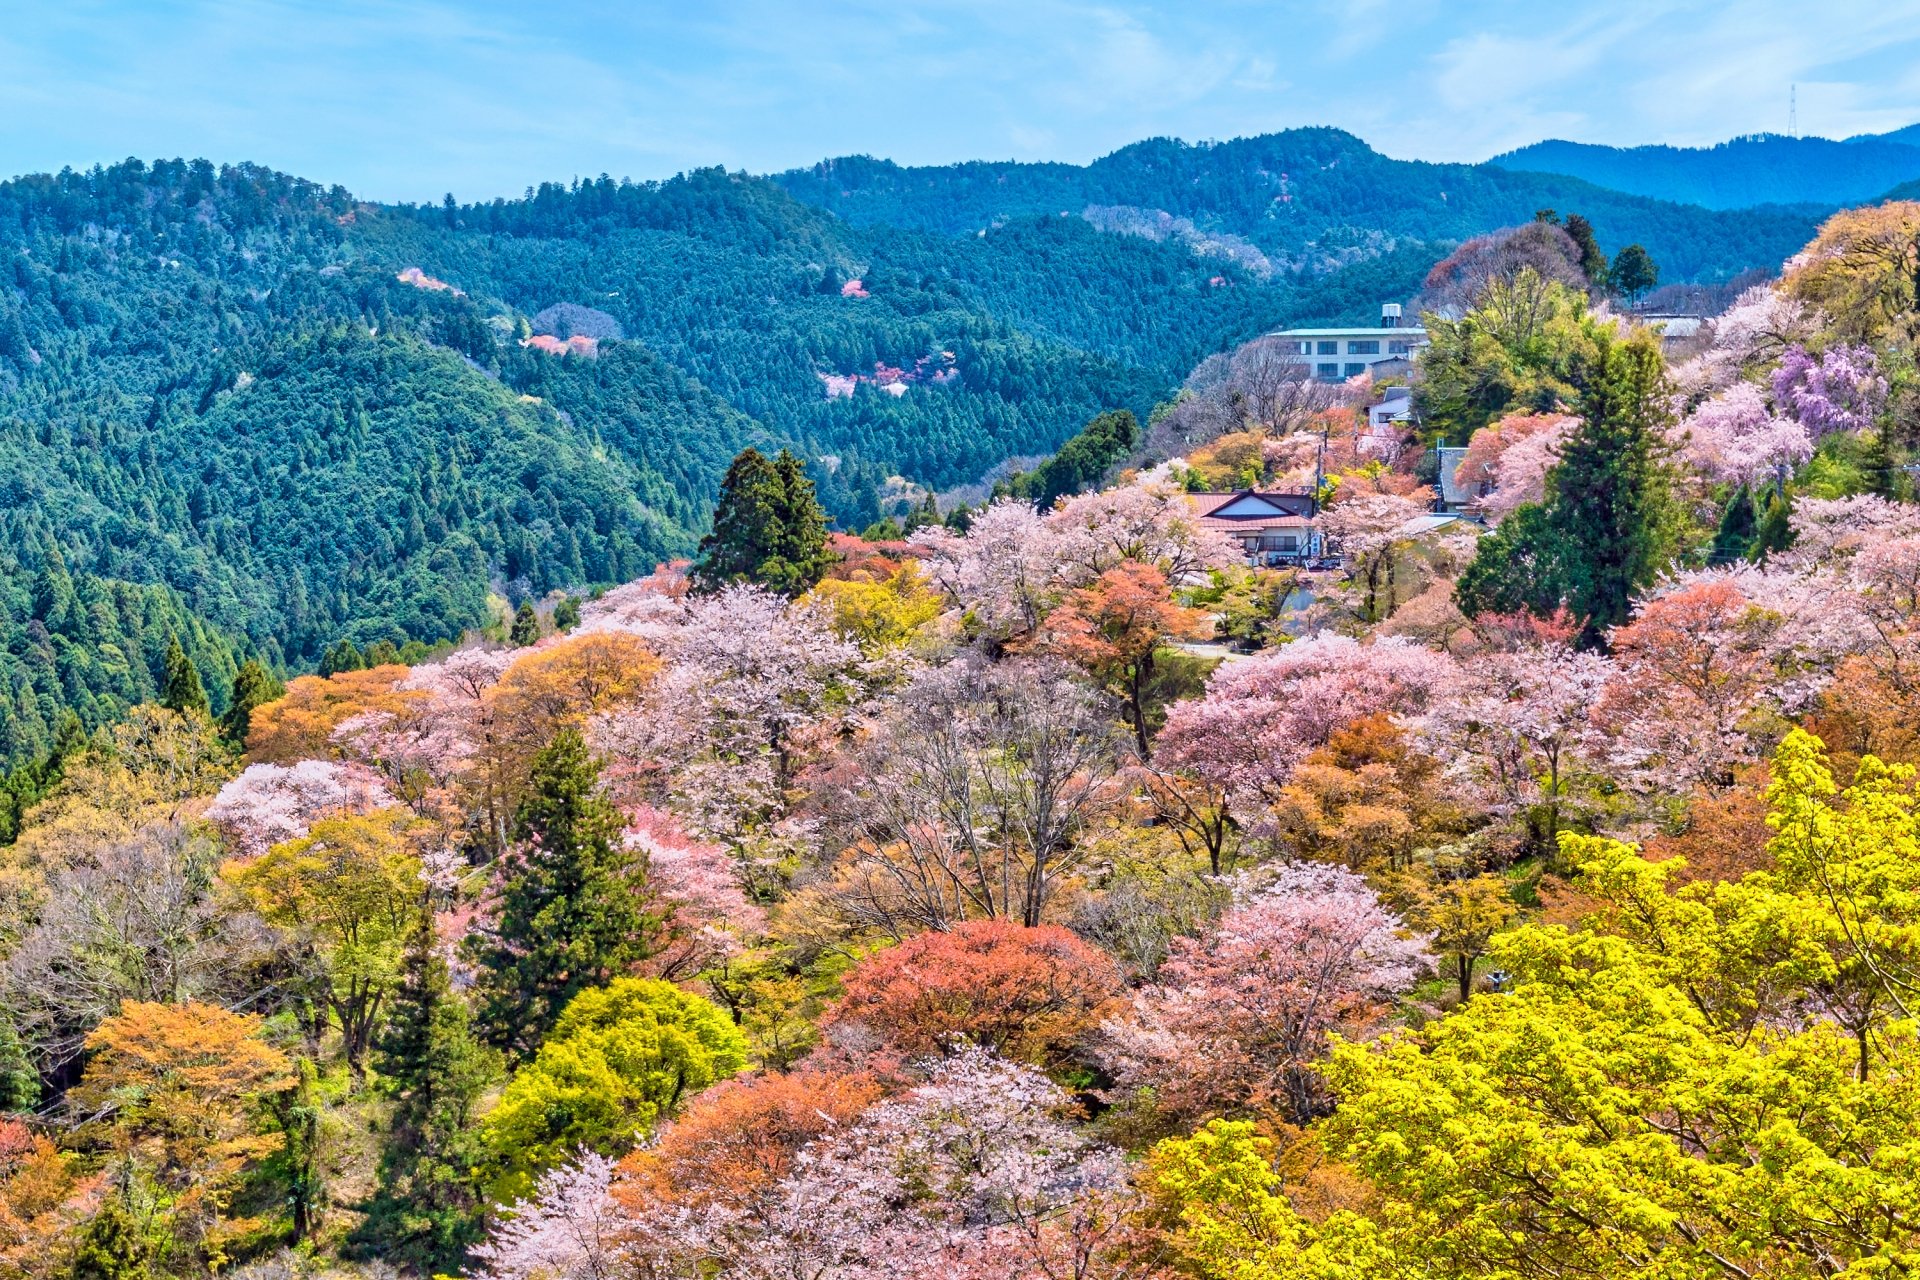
412	98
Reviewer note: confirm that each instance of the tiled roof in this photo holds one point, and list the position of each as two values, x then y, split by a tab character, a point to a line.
1231	524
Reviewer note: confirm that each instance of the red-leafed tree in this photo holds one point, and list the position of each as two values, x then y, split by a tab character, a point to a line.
1029	993
1113	629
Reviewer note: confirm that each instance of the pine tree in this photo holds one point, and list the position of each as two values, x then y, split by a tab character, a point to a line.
573	909
526	626
1733	541
426	1211
1608	494
342	655
1593	263
19	1082
747	526
183	691
800	558
1634	272
253	686
1606	523
768	527
1776	529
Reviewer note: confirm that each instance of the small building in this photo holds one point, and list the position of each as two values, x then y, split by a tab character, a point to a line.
1387	422
1274	527
1455	496
1337	353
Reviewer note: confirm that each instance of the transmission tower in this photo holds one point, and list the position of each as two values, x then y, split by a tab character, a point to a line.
1793	111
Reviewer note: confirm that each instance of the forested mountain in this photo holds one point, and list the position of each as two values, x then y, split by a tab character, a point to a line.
259	415
1302	197
1764	169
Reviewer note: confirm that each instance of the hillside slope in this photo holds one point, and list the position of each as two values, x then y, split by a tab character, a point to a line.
258	415
1304	197
1768	169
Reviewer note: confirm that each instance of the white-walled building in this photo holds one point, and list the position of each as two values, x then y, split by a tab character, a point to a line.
1336	353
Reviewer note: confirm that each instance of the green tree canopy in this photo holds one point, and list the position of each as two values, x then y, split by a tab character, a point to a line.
620	1059
573	906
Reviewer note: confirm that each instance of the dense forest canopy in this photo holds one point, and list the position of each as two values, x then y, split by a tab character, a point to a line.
1740	173
261	415
1053	887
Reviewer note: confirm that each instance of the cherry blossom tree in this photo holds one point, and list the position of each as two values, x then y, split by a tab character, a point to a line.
1760	325
456	732
1369	528
973	1172
1236	1017
718	736
1003	573
1700	658
1518	722
269	804
1735	437
1829	532
1260	718
709	914
979	780
1146	524
571	1229
1513	455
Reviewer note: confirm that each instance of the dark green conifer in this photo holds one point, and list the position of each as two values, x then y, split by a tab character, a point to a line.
768	528
253	687
1733	540
426	1211
573	907
1776	530
526	626
183	691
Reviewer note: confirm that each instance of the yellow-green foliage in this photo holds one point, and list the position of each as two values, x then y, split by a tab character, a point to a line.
1711	1081
880	617
621	1058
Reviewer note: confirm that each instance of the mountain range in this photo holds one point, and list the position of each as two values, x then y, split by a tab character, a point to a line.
1741	173
255	414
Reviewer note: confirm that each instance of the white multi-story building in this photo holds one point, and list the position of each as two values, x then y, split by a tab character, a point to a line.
1336	354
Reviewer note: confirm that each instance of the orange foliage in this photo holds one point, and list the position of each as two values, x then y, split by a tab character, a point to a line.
175	1084
41	1199
1726	834
1863	712
739	1138
1030	993
854	559
299	725
1113	627
1366	799
567	680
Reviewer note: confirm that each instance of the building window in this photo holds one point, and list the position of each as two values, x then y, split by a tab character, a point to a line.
1331	372
1303	348
1399	347
1329	348
1357	368
1371	347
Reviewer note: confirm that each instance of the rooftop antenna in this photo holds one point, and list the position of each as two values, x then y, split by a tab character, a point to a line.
1793	111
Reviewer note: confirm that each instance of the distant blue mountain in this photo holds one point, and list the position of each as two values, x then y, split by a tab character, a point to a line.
1757	170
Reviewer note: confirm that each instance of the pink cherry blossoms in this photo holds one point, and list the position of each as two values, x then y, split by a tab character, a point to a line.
1261	717
1235	1016
269	804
